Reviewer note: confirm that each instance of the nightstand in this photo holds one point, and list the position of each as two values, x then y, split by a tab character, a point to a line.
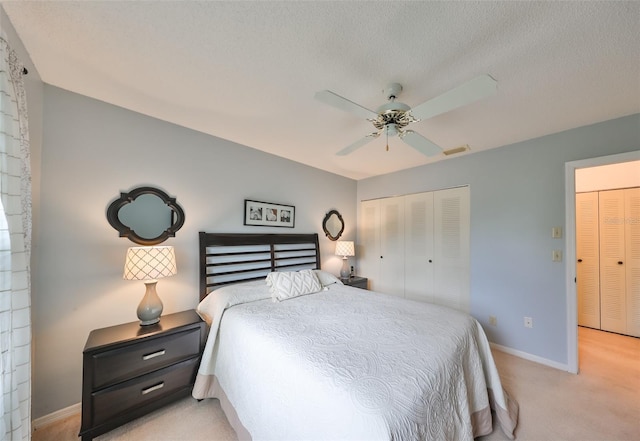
130	370
356	282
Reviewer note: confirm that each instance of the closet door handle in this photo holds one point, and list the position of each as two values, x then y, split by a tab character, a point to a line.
579	260
619	262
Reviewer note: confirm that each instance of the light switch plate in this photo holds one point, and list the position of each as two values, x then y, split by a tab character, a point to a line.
556	232
557	256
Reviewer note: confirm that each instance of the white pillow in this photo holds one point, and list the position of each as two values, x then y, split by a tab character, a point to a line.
226	296
326	278
287	285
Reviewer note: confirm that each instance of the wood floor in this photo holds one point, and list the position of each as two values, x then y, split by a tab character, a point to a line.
600	348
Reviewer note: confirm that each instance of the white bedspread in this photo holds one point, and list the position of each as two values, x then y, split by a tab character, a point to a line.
346	363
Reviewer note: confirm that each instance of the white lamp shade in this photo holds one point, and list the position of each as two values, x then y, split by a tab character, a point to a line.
345	248
150	263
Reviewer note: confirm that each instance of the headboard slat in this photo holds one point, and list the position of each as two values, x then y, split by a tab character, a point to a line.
241	253
243	271
236	262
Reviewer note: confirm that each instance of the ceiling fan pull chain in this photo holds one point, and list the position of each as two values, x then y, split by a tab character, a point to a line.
387	131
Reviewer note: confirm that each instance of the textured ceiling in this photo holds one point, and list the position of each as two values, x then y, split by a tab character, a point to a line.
248	71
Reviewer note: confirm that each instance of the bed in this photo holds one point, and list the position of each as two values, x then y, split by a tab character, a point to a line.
294	354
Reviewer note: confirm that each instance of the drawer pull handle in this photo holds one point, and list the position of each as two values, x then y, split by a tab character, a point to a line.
154	354
152	388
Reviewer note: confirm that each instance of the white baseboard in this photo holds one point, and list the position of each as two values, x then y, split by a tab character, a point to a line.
531	357
56	416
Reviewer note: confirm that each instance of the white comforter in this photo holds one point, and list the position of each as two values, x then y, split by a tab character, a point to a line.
346	363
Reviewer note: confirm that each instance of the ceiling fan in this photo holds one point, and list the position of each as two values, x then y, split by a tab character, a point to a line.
393	117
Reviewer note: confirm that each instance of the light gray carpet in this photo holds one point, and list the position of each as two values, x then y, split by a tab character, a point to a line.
601	403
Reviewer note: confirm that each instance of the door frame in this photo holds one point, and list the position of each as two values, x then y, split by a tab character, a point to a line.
570	245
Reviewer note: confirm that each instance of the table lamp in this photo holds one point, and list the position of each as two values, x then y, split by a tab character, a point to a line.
150	264
345	248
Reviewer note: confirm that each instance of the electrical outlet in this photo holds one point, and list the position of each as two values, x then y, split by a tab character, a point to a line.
556	256
493	321
528	322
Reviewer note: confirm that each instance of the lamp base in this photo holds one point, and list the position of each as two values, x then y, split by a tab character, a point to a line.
345	273
150	307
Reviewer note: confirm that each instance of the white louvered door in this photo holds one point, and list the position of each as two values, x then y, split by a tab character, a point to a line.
613	315
417	246
418	221
391	280
451	248
588	259
368	250
632	259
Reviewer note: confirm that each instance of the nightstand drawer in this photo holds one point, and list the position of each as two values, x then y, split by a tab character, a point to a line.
123	397
121	364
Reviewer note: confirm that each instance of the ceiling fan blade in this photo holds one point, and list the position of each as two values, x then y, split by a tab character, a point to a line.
330	98
478	88
420	143
359	143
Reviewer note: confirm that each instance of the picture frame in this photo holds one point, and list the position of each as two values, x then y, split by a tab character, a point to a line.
268	214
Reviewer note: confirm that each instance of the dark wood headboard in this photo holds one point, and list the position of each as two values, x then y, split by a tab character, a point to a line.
234	257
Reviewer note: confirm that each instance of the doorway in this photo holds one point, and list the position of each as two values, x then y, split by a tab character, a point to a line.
570	245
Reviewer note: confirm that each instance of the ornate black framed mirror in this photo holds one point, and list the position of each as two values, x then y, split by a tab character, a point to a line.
333	225
146	216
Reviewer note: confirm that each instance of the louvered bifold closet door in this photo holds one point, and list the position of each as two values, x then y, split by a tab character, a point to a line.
613	316
632	261
451	248
391	246
418	248
588	259
368	252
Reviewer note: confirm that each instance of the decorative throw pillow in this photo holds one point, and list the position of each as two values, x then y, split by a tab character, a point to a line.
326	278
287	285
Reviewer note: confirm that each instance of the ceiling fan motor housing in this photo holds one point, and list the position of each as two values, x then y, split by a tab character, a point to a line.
393	115
399	118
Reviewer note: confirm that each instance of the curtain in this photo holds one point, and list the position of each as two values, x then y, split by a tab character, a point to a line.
15	251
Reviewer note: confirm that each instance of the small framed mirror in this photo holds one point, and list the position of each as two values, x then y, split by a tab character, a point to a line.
146	216
333	225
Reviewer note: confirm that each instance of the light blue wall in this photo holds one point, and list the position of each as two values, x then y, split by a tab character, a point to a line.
91	152
517	196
